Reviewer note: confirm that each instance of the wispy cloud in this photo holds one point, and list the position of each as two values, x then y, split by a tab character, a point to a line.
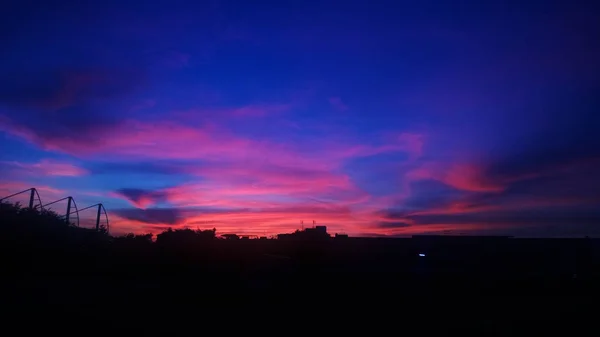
258	110
47	193
466	177
45	167
169	140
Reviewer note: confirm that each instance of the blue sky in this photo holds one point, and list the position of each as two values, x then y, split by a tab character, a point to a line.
370	117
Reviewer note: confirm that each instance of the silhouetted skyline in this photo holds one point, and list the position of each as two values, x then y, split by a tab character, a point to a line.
370	118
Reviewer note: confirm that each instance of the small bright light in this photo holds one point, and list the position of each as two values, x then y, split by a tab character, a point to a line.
421	255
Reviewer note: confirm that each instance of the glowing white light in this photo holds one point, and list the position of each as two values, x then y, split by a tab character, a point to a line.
421	255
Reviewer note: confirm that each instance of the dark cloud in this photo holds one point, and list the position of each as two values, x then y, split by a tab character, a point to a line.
373	235
565	134
138	168
30	90
393	219
557	200
550	179
541	223
77	123
170	216
547	215
71	105
572	183
550	197
392	214
141	197
428	194
53	90
394	224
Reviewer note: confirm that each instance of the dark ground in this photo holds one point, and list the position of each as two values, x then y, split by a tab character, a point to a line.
488	286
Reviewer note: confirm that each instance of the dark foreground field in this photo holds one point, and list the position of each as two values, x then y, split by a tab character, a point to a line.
358	277
495	283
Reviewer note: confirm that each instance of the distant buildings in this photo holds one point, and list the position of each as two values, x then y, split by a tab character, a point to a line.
237	237
313	233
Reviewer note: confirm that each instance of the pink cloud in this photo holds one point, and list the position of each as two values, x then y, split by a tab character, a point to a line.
167	140
253	187
264	185
142	140
282	219
465	177
46	193
277	220
267	220
267	176
278	182
48	167
261	194
268	199
411	143
120	226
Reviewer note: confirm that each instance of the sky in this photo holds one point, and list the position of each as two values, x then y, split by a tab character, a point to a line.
373	118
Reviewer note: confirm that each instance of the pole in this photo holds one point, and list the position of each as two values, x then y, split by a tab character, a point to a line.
31	198
98	218
68	210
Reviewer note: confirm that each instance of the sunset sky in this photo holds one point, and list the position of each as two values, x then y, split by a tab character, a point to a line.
370	117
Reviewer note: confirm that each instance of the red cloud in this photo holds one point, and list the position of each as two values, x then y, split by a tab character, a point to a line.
465	177
469	177
276	220
269	199
279	220
266	200
253	187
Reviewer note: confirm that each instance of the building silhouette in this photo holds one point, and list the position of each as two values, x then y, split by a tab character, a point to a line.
307	234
